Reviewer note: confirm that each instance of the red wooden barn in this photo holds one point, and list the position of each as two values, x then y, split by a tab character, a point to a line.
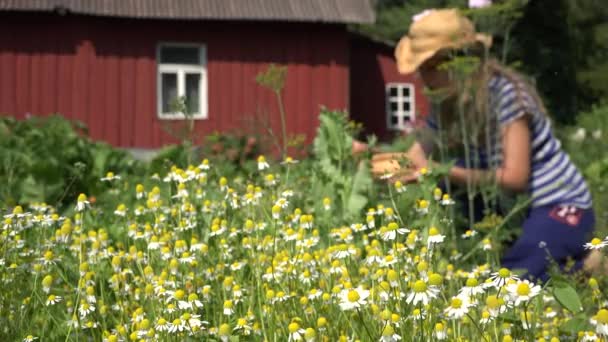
117	65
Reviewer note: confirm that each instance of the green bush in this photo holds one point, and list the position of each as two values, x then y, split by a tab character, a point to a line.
586	142
50	159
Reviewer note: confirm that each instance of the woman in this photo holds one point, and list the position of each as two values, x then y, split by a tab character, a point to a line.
509	140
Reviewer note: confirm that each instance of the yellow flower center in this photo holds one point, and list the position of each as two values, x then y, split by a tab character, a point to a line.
433	231
419	286
456	303
472	282
310	333
353	296
602	316
293	327
321	322
388	330
504	273
523	289
492	302
47	281
224	330
596	241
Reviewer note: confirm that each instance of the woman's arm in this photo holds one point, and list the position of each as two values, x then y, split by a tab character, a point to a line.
514	172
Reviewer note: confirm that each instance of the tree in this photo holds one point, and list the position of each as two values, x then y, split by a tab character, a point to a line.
561	44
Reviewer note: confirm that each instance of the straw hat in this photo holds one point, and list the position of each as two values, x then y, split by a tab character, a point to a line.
434	30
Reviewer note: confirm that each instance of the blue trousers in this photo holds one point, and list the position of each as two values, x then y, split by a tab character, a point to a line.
550	233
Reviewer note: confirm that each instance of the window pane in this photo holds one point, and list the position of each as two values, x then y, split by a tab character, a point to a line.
180	55
406	91
406	106
193	90
394	120
392	91
394	106
169	91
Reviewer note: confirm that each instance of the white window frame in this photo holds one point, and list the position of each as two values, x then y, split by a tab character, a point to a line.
404	118
181	70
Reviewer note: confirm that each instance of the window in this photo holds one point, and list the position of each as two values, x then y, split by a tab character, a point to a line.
182	73
400	108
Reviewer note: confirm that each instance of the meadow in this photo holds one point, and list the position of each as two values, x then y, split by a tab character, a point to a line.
280	250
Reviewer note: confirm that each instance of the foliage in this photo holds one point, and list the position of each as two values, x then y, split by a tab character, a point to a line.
49	159
590	134
196	255
332	149
235	152
556	43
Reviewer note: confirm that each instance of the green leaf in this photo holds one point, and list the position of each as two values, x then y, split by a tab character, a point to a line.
566	295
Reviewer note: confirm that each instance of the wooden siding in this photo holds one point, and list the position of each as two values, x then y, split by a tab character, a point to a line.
372	67
102	71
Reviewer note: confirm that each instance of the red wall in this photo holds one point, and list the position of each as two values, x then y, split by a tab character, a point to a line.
372	67
102	71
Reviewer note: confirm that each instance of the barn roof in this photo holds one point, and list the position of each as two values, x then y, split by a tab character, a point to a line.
329	11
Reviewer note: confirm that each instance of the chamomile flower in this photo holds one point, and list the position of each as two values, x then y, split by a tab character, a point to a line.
243	326
30	338
596	243
262	164
522	291
437	192
486	317
343	251
85	308
422	206
486	244
421	293
52	300
47	282
178	325
228	307
82	203
399	187
296	333
469	234
289	161
353	298
472	288
358	227
389	335
440	332
121	210
434	237
497	305
459	306
326	203
390	231
446	200
600	321
110	176
502	277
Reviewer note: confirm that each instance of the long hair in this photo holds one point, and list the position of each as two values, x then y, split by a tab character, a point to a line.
469	103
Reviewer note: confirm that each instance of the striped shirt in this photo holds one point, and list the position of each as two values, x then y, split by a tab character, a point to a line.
553	177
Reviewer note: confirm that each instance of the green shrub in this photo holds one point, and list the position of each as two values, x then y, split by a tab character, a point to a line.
49	159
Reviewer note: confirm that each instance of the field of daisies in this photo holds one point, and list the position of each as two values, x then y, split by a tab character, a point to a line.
285	250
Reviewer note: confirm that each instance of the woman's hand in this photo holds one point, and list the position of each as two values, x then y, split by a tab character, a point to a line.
358	147
417	156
